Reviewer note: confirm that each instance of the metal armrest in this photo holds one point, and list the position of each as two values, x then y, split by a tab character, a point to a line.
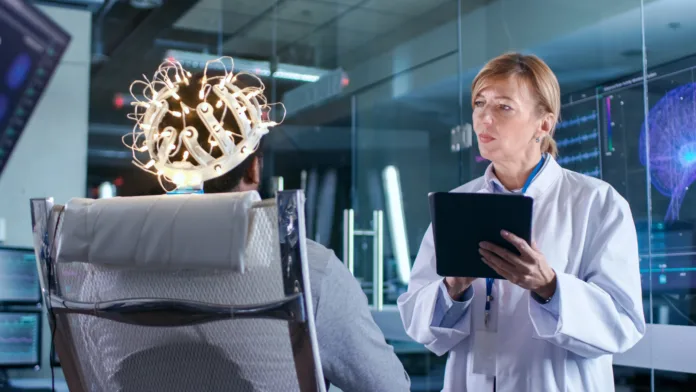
161	312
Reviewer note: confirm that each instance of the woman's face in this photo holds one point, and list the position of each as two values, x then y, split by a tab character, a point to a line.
507	122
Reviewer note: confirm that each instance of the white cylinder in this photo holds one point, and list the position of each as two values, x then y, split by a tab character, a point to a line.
3	231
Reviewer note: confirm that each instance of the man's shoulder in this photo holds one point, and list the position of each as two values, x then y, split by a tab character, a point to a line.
318	257
354	353
323	264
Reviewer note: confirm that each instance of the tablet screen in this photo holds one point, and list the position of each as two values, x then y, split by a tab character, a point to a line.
461	221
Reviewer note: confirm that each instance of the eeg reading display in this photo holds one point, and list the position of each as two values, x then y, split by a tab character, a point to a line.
577	138
642	156
19	279
19	339
31	45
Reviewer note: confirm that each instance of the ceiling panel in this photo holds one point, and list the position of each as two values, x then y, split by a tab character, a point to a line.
208	21
403	7
252	7
369	21
344	2
310	12
199	19
350	40
250	47
330	37
286	32
209	4
233	22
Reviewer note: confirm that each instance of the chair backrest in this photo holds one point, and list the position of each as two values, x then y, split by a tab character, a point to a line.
179	293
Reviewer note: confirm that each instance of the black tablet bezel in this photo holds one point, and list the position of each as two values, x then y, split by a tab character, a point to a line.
488	211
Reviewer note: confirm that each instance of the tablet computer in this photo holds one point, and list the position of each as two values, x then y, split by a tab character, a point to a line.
460	221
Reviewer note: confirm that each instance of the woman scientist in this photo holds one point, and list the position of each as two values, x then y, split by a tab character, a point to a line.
573	297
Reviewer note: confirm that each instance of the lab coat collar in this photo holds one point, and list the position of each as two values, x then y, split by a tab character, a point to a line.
550	172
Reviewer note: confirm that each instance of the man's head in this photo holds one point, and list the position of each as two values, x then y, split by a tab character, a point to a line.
246	176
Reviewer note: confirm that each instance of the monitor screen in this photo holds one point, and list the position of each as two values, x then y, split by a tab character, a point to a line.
604	133
19	279
20	339
32	46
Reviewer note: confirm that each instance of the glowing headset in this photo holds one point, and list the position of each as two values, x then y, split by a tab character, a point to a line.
247	105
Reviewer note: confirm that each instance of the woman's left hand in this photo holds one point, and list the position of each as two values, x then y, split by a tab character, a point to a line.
529	270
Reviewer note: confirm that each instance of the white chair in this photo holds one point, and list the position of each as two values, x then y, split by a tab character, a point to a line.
179	293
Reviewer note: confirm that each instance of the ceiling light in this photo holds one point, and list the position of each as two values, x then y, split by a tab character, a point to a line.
259	68
145	4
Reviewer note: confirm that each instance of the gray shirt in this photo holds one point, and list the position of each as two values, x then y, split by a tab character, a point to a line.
354	353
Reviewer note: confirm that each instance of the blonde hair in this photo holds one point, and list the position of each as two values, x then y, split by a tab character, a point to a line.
540	79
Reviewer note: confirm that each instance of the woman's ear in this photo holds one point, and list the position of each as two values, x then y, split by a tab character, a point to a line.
548	121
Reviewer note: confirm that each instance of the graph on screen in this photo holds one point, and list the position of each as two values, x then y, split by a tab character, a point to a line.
19	280
577	138
19	339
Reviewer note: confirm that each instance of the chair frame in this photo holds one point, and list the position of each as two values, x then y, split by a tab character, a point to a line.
296	307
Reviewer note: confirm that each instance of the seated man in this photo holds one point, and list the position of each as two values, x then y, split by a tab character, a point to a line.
354	353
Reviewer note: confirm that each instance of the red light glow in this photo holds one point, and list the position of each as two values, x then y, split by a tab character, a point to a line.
118	101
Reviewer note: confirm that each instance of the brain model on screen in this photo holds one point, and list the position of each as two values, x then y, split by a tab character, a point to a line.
165	144
672	141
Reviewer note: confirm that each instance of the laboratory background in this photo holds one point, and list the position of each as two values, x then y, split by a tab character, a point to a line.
377	94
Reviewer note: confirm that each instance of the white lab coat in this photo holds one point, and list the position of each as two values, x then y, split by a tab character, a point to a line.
586	232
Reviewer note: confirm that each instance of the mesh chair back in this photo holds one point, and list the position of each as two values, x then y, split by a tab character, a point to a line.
138	328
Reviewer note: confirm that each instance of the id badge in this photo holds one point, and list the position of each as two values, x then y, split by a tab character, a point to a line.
485	350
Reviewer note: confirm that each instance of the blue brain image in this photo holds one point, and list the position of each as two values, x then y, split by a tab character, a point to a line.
18	71
3	105
672	126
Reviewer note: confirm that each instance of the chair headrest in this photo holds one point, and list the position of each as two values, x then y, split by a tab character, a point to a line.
158	232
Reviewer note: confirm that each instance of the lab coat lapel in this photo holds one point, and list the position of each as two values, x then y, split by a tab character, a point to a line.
550	172
548	175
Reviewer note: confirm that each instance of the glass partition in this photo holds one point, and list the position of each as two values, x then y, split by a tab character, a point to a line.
312	151
379	114
405	84
403	140
668	142
593	49
668	147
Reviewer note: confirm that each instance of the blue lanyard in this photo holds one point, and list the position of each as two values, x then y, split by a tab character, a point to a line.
489	281
532	175
489	298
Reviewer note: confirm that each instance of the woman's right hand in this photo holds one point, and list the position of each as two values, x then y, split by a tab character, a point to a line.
457	286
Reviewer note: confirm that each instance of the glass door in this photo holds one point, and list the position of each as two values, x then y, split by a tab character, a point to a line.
408	140
403	149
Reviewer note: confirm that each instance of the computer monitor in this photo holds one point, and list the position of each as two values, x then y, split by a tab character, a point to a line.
19	278
20	339
31	45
